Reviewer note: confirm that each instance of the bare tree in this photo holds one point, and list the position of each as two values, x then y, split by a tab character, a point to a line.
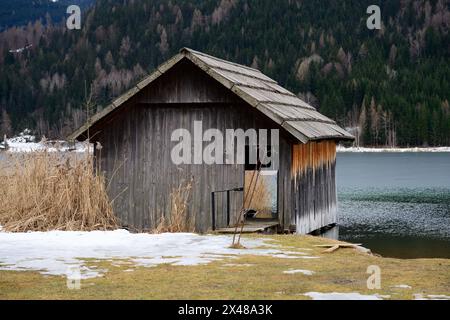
5	124
163	45
362	123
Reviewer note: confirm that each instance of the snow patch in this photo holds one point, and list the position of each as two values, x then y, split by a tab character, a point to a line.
438	297
54	251
420	296
383	296
305	272
238	265
402	286
341	296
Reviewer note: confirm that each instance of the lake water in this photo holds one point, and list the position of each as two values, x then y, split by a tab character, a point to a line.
396	204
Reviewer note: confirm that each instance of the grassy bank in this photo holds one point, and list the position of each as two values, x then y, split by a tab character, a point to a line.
247	277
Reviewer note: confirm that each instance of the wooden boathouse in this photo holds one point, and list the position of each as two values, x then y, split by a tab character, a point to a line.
135	133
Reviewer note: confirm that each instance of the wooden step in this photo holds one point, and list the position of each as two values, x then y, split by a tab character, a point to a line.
252	227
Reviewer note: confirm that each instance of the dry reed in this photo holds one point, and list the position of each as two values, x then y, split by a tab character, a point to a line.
44	191
179	219
262	199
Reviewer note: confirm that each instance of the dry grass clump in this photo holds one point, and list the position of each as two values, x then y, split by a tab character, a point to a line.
179	219
44	191
237	245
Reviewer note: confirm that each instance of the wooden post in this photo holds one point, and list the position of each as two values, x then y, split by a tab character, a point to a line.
213	211
228	208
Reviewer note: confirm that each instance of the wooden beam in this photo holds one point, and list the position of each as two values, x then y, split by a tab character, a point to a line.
335	246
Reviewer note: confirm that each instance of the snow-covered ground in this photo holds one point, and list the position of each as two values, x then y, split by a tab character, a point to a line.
56	252
65	253
362	149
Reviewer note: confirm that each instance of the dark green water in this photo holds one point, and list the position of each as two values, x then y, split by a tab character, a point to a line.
396	204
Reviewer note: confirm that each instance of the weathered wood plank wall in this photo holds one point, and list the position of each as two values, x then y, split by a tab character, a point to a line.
136	159
137	144
313	174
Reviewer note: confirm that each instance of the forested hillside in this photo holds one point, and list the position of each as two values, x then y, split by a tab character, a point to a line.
388	86
20	12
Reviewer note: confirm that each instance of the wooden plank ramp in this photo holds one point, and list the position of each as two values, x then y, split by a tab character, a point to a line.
335	246
253	226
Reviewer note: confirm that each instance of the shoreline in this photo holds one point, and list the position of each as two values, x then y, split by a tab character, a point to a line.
342	149
62	146
18	145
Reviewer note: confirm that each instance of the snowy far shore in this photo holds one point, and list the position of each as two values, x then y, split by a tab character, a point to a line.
18	145
26	142
53	146
416	149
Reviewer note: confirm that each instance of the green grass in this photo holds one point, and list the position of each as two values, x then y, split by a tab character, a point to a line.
341	271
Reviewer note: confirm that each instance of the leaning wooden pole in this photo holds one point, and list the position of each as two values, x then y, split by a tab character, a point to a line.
241	218
241	212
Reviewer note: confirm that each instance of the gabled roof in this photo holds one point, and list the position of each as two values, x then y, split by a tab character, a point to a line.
282	106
